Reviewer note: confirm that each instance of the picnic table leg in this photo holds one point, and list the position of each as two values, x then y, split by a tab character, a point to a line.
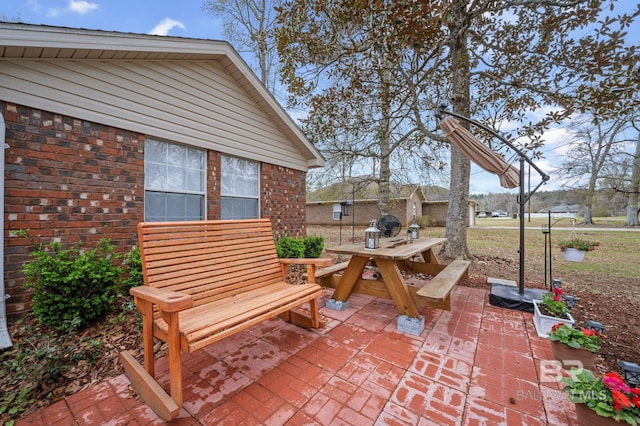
350	277
430	256
397	287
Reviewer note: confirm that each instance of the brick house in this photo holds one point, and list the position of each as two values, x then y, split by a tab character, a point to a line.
406	204
103	130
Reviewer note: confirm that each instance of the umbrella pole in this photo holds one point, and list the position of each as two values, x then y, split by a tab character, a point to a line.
521	201
523	198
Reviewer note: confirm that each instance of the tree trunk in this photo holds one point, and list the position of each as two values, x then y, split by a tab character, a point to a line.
632	199
384	191
457	214
588	216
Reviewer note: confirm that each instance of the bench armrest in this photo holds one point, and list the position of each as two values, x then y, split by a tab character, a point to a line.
167	301
312	264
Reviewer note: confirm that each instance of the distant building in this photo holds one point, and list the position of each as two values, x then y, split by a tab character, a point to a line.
407	201
566	210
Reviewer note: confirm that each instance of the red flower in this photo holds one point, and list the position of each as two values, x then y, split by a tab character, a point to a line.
556	298
558	291
588	332
635	400
615	382
614	376
620	400
556	326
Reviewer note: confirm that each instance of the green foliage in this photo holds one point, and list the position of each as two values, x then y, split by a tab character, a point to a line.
578	244
608	396
73	287
290	248
133	271
553	305
36	360
425	221
590	340
313	246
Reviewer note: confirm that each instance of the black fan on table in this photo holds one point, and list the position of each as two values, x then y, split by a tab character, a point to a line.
389	225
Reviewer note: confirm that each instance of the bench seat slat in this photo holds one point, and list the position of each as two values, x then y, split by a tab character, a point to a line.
200	325
439	287
330	270
234	307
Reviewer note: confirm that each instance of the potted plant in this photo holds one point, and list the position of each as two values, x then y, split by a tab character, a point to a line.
603	401
574	249
549	311
573	344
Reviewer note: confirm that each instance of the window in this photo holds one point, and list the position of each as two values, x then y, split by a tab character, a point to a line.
337	212
239	188
174	182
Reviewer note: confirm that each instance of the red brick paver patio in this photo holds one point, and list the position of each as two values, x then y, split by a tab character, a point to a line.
474	365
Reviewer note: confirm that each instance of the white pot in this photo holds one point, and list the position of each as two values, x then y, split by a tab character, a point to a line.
544	323
573	255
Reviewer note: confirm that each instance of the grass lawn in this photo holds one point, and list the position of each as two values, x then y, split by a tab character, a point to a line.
614	265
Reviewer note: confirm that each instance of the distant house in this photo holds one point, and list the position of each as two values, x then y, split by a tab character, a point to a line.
572	210
105	130
407	202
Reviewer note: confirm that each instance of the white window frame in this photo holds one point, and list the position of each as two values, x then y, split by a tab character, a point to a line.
164	185
337	211
229	189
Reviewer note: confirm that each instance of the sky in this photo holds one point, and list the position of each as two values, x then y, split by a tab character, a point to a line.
180	18
185	18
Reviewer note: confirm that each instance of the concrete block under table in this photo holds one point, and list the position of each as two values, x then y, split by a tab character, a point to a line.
336	305
411	325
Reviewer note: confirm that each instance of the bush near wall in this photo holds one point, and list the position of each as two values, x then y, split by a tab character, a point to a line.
308	247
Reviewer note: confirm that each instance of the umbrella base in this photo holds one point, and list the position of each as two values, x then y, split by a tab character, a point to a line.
506	296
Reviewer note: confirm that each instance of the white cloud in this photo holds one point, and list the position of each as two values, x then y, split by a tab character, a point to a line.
81	6
166	25
52	13
34	5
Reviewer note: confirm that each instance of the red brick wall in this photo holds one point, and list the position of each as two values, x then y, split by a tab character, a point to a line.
66	180
282	199
213	185
69	180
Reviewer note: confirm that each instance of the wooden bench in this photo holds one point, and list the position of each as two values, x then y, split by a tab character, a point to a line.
327	271
204	281
438	289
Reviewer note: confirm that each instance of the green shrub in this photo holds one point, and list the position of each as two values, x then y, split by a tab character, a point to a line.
425	221
73	288
313	246
288	247
133	271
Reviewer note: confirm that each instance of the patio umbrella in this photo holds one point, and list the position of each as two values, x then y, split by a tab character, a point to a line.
479	153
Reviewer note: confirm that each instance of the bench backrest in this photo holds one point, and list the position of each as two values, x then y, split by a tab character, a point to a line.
209	259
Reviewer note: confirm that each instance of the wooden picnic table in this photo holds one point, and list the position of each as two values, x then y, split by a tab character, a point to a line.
393	257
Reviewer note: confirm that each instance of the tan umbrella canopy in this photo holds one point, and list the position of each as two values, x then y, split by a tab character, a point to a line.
479	153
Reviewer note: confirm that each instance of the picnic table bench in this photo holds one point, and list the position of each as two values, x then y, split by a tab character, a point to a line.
204	281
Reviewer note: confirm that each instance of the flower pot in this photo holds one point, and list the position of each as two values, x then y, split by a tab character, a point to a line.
588	417
573	255
569	356
544	323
